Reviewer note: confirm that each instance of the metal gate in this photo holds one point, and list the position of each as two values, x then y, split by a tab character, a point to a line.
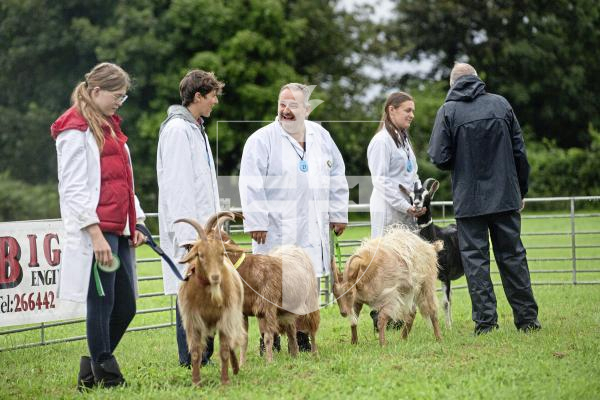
562	244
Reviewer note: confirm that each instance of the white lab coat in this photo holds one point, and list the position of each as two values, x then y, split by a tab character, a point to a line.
187	188
294	207
388	166
79	189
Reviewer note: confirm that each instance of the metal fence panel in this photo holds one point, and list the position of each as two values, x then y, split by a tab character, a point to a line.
554	251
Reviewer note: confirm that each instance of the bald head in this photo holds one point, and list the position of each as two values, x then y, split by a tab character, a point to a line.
461	69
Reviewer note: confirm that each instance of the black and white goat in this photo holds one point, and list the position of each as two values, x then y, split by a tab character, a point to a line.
450	263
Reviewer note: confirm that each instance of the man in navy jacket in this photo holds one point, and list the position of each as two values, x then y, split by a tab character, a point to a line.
476	135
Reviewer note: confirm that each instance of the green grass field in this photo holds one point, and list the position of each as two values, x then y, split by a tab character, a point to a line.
561	361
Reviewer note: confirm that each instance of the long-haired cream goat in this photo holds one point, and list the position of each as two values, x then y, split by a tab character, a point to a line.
393	274
280	290
211	300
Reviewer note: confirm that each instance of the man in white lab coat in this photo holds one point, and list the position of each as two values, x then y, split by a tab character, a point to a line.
187	181
293	186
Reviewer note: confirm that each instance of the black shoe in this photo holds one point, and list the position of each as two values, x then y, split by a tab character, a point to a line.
396	325
108	373
483	329
187	365
207	362
530	327
391	324
85	379
374	316
303	341
276	344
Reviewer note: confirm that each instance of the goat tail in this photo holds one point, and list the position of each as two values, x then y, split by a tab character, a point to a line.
438	245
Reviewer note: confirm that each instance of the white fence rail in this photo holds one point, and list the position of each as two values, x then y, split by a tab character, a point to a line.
556	248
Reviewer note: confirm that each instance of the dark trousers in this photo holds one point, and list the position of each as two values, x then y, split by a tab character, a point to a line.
109	316
505	232
185	358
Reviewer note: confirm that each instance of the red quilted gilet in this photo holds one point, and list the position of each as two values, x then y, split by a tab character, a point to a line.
116	179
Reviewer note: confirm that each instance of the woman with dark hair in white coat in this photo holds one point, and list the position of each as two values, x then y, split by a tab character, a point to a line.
392	162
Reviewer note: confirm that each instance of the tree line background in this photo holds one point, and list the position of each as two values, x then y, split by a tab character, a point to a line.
541	55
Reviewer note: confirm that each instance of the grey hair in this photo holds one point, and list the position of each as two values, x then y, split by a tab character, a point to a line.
298	87
461	69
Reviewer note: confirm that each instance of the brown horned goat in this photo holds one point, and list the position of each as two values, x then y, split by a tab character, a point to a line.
393	274
211	300
280	290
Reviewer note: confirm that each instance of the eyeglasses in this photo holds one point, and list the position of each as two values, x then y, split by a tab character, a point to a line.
120	98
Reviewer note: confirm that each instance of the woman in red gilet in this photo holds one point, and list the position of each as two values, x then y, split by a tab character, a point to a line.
99	210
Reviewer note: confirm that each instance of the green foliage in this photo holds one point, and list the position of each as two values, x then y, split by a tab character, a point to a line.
21	201
564	172
254	46
540	55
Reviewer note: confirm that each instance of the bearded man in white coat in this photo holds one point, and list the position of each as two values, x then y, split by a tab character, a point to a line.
293	186
187	181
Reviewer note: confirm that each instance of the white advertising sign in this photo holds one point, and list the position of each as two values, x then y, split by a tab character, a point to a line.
30	257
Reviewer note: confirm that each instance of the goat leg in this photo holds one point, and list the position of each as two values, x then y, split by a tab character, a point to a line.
313	341
356	307
268	340
235	366
382	321
290	330
354	339
195	353
436	327
224	353
408	323
447	303
244	347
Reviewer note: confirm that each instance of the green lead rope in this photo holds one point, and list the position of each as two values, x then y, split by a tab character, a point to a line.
99	287
106	268
338	251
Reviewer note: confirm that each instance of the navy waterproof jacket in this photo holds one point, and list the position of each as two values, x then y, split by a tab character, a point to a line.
477	136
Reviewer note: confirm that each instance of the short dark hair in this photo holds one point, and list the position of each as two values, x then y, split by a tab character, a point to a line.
198	81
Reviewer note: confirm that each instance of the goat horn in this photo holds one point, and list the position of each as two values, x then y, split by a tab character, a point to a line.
215	219
427	183
196	225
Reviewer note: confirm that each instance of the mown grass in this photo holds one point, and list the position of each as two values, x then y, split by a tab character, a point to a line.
561	361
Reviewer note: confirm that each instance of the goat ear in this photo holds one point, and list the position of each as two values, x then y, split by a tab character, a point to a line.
404	190
189	272
336	272
434	187
189	256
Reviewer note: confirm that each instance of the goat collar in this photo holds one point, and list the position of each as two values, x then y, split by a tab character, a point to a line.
426	224
239	261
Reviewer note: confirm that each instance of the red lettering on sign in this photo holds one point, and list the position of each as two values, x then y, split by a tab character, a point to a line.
52	256
11	272
33	261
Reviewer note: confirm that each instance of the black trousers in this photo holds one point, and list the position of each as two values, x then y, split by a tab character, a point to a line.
505	232
109	316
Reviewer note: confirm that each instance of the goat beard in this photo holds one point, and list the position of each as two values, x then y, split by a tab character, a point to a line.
216	294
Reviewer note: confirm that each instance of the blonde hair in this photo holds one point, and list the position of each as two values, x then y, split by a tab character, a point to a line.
394	100
106	76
